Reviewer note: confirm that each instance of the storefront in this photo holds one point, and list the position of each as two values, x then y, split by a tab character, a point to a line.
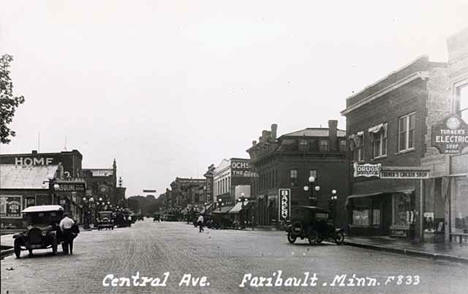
387	203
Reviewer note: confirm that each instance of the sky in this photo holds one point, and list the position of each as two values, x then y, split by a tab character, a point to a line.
169	87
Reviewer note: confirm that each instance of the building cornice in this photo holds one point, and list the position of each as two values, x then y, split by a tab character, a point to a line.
414	76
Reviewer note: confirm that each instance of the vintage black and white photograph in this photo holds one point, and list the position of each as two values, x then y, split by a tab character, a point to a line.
219	146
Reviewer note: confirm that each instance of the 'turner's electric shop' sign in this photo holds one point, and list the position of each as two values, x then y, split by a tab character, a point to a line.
450	136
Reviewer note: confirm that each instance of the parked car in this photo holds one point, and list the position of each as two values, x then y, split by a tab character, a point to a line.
42	229
313	223
170	217
105	220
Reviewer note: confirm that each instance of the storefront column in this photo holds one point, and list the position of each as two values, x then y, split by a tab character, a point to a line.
420	216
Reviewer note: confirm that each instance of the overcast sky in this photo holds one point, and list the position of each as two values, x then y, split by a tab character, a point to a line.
169	87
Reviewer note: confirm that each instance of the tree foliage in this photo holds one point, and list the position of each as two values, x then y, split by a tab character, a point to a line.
8	102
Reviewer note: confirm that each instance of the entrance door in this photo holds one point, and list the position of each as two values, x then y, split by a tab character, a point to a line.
386	213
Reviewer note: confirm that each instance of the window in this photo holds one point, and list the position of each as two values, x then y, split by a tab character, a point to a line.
357	146
293	174
342	146
378	136
303	145
406	126
361	217
462	98
376	216
313	173
323	147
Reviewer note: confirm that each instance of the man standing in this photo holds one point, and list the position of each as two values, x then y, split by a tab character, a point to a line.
66	225
200	223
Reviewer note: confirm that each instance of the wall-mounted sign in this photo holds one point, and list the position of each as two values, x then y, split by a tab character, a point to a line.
240	164
367	170
284	204
33	161
10	206
450	136
71	187
404	174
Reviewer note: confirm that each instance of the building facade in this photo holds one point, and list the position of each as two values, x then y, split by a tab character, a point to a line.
102	185
387	131
290	162
187	193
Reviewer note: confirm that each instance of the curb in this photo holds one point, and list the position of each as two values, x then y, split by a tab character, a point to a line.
6	252
410	252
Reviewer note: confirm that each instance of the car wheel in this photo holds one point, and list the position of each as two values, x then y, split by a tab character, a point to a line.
313	237
17	248
54	246
339	238
291	238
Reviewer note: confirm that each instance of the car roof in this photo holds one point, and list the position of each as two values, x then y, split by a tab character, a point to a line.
42	208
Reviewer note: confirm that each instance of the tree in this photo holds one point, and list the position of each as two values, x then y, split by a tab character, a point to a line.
8	102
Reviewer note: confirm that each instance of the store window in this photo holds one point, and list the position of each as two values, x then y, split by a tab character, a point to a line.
361	216
403	213
376	217
460	207
462	98
406	126
378	135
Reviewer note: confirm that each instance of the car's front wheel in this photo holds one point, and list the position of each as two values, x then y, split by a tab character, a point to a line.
313	237
17	248
339	238
291	238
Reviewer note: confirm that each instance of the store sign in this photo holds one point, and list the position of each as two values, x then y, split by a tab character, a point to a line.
367	170
450	136
71	187
33	161
240	164
284	204
10	206
404	174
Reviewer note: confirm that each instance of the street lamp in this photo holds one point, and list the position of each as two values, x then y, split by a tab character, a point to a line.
242	200
312	187
220	203
332	204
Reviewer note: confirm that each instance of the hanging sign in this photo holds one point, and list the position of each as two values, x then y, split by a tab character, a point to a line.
450	136
367	170
284	204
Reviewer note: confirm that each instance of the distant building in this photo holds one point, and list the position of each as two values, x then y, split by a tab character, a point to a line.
102	184
210	184
290	160
187	193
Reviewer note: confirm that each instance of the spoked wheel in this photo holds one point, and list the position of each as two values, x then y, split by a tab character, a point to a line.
54	246
313	237
17	248
291	238
339	238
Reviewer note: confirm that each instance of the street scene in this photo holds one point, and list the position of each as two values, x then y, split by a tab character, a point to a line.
224	257
233	146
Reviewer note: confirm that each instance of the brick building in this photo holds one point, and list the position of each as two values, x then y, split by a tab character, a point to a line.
290	160
34	178
187	193
102	184
387	131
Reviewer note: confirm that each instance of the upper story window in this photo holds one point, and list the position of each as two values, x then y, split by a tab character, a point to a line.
462	98
406	126
378	135
293	174
342	146
313	173
323	145
357	146
303	145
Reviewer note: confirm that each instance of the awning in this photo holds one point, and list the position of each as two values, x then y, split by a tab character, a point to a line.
238	207
357	196
223	209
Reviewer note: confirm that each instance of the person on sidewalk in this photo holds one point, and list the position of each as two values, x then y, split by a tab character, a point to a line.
200	223
66	225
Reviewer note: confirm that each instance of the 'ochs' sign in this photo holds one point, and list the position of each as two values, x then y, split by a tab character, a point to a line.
367	170
284	204
450	136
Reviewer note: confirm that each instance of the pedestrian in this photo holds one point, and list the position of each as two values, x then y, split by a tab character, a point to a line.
200	223
66	227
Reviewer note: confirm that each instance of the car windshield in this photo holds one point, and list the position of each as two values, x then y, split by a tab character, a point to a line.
42	218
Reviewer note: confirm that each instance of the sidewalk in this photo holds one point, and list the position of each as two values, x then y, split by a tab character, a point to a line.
446	251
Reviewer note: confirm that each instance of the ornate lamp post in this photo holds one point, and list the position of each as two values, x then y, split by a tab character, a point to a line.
242	200
312	198
332	204
220	203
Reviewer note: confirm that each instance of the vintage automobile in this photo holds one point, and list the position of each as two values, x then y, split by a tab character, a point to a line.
105	220
313	223
42	229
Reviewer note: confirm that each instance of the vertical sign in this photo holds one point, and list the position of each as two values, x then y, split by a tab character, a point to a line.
284	204
11	206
